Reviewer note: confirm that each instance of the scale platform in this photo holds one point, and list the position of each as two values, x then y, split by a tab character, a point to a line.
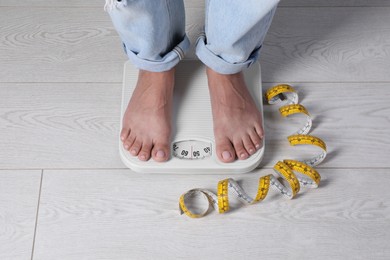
193	146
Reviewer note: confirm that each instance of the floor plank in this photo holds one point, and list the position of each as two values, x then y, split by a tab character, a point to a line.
85	3
303	45
335	3
328	45
107	214
192	3
59	125
59	45
19	191
76	125
351	118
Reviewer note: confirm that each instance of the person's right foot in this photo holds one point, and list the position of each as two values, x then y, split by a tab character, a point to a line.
146	123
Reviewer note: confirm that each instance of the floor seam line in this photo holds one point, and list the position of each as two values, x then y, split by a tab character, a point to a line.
36	216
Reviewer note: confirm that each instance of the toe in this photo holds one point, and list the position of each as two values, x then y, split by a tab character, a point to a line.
256	140
259	130
160	152
124	133
240	150
136	147
128	142
225	151
248	144
144	154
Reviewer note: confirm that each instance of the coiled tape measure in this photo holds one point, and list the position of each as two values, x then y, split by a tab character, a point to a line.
295	173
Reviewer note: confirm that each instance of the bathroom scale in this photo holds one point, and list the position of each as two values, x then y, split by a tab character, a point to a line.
193	146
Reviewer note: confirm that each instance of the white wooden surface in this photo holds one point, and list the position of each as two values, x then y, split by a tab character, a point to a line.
305	44
197	3
328	45
19	193
117	214
57	125
60	78
63	125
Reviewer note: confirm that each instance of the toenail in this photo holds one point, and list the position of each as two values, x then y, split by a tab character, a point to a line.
134	152
251	151
142	157
226	155
243	155
160	154
257	146
127	146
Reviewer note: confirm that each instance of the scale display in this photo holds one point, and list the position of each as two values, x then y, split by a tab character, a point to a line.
193	145
191	150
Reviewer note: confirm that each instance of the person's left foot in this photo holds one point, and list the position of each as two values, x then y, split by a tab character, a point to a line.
237	121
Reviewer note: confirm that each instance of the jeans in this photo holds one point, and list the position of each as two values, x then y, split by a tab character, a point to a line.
154	38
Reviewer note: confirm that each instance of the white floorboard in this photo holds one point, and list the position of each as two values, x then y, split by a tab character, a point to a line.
117	214
19	192
328	45
352	118
197	3
60	125
335	3
89	3
58	45
303	45
76	125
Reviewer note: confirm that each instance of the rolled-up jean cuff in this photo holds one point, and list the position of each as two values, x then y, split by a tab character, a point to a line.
167	62
217	63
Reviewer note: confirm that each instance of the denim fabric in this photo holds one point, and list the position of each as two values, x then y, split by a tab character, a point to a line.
234	33
153	32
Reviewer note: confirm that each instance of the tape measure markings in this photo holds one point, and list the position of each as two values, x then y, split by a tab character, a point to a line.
309	140
280	93
294	109
310	176
295	173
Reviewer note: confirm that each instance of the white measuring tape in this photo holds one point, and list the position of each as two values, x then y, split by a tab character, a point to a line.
295	173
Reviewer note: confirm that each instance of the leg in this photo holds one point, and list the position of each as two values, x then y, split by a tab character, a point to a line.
153	34
234	33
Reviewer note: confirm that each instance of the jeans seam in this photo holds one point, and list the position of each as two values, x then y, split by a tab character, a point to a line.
179	52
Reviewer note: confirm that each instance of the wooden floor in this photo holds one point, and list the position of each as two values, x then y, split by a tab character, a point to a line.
64	193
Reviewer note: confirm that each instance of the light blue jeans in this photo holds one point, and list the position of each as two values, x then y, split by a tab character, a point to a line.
154	38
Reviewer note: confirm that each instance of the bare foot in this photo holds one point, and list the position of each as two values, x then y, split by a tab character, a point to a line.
237	122
147	121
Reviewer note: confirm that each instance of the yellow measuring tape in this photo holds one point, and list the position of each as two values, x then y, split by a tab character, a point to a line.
295	173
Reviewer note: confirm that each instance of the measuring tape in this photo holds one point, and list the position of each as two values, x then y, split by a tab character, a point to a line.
294	173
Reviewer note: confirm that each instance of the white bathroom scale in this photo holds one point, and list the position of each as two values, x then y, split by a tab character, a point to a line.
193	146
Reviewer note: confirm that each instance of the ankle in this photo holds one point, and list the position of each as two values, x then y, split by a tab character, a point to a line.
162	74
212	73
